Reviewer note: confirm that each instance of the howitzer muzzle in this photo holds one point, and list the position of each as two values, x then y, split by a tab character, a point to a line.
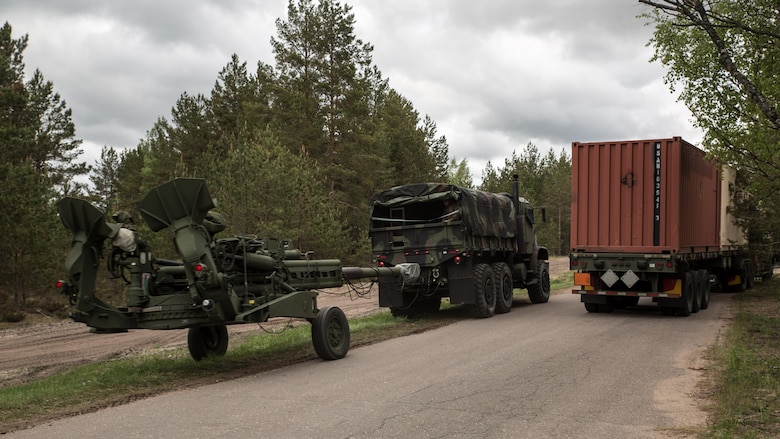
408	272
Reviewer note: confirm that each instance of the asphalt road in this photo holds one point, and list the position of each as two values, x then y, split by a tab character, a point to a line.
541	371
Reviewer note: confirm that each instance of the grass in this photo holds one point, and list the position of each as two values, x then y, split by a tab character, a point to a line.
565	280
90	387
744	379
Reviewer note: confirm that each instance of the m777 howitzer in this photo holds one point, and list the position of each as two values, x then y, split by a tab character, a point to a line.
217	282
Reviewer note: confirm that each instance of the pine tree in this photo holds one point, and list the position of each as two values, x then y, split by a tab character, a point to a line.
37	163
439	151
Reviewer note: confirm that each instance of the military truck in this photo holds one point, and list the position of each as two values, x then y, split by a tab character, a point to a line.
472	246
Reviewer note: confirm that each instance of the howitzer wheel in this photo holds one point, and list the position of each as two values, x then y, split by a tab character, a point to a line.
330	333
203	341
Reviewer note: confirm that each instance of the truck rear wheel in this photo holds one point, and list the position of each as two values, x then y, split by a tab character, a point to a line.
592	307
484	292
688	294
540	291
706	287
504	288
698	291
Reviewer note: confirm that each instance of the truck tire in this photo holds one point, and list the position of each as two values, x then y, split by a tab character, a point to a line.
706	287
623	302
504	288
592	307
698	290
484	292
540	291
688	294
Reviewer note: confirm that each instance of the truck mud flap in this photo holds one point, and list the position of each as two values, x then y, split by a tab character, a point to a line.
461	283
390	294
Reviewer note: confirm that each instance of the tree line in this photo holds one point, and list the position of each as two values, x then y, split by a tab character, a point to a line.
291	150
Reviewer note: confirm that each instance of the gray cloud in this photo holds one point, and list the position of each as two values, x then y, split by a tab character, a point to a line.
494	75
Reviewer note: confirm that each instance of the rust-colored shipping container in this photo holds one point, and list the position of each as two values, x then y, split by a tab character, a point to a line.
649	219
644	196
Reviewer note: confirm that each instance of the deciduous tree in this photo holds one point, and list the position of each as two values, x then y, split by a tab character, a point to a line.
724	58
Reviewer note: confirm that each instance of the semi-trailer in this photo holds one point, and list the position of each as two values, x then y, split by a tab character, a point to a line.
650	218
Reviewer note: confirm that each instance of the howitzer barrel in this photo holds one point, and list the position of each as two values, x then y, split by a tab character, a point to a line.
408	272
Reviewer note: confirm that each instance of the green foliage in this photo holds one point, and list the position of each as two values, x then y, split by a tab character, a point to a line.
347	135
105	179
458	173
37	164
754	215
264	189
745	378
724	57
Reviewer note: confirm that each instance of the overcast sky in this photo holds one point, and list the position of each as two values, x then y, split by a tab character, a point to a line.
493	74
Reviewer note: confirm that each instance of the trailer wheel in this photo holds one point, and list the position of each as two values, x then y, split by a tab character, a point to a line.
623	302
606	308
705	291
698	291
504	289
688	294
592	307
203	341
540	291
330	333
484	292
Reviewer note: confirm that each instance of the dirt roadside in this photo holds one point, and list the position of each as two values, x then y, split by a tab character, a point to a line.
32	351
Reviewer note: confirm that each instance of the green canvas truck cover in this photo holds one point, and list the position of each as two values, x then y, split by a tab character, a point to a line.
481	213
